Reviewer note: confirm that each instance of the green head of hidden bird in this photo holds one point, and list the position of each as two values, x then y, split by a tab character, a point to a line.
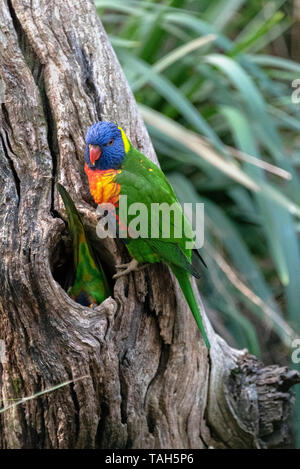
115	168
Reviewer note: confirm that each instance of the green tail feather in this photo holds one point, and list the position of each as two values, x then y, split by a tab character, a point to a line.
90	285
186	287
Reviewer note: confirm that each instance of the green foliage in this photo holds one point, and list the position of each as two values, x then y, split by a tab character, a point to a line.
212	94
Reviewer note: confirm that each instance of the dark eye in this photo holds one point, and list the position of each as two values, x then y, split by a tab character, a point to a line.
110	142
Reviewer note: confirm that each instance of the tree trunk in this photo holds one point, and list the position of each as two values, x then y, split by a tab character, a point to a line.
146	378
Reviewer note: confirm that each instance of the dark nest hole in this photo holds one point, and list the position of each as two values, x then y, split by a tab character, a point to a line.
62	265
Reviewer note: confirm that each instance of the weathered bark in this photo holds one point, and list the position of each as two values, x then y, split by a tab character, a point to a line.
149	381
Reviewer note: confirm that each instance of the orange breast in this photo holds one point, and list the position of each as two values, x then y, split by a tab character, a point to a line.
102	185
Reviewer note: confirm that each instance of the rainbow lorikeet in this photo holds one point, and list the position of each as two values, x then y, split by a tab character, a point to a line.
115	168
90	286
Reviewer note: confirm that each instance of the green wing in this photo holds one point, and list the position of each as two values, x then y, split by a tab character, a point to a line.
142	181
90	285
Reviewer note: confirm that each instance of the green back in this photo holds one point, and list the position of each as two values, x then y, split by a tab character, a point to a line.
90	284
142	181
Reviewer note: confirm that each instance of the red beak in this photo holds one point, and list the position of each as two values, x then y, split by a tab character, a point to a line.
95	153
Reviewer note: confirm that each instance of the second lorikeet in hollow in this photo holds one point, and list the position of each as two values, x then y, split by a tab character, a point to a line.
115	168
90	286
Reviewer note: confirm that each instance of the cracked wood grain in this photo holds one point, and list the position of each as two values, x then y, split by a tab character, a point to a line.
150	381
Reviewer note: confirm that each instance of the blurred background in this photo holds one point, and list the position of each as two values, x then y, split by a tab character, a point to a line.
214	80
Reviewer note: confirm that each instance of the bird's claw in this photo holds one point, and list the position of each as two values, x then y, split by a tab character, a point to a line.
132	266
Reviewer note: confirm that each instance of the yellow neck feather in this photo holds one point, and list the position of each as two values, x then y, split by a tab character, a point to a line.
125	140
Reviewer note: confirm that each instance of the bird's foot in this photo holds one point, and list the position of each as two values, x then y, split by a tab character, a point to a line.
132	266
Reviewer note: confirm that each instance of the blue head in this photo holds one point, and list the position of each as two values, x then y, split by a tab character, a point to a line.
104	146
